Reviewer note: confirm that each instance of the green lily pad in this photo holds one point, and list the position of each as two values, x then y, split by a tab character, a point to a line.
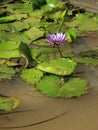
51	4
87	60
8	46
19	26
6	72
8	62
54	86
19	8
34	33
58	66
7	19
4	27
9	49
8	103
83	22
93	52
15	37
50	85
31	75
73	88
20	16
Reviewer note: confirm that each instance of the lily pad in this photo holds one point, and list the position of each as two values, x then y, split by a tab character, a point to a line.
9	49
34	33
83	22
4	27
51	4
13	36
73	88
8	62
7	19
50	85
31	75
6	72
59	66
87	60
20	26
19	8
8	103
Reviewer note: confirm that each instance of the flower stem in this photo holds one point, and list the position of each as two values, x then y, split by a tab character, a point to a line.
63	20
61	26
59	50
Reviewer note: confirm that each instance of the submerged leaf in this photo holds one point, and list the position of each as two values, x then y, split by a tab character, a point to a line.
58	66
6	72
73	88
8	103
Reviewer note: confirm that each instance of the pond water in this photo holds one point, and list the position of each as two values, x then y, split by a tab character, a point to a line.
37	111
90	5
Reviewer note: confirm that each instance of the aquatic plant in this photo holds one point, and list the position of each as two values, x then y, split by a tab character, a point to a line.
57	39
40	65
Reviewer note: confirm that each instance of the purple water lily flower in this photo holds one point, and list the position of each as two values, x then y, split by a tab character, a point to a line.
57	38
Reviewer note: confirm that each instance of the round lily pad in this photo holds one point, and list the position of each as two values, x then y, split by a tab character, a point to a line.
73	88
50	85
60	66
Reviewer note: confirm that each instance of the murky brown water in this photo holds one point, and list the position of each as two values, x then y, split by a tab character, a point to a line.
40	112
89	5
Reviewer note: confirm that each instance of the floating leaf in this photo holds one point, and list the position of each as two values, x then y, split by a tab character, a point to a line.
93	52
9	49
8	46
7	62
8	103
19	26
19	8
20	16
51	4
87	60
73	88
34	33
6	72
83	22
15	37
58	66
4	27
31	75
50	85
7	19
